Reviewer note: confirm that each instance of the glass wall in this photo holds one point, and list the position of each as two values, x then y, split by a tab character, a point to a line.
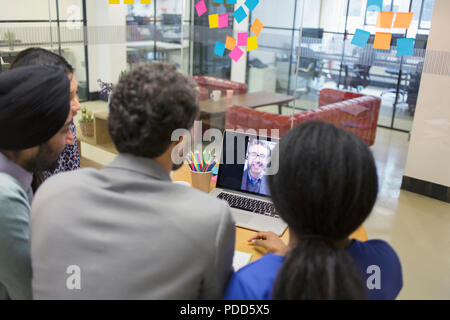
330	60
304	47
158	31
53	25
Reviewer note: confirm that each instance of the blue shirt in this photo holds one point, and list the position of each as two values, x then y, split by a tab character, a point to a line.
259	186
255	281
15	199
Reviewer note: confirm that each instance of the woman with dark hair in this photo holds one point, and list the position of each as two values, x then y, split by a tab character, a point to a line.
325	188
70	158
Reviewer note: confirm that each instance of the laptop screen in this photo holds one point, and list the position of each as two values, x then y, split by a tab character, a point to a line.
246	160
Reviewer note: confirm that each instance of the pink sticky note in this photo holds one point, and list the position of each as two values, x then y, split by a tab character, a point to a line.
236	54
201	8
242	39
223	20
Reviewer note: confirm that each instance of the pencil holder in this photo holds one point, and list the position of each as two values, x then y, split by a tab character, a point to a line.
201	180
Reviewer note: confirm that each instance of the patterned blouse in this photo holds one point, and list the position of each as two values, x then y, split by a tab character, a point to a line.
69	160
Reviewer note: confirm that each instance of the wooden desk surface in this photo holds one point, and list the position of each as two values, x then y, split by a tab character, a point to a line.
242	235
250	100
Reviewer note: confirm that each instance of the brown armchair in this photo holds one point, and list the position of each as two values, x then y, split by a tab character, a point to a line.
208	84
356	113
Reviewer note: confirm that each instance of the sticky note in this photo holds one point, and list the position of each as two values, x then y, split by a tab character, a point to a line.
201	8
223	20
213	21
146	1
374	5
385	19
230	43
257	27
114	1
242	39
218	1
240	14
231	1
219	49
251	4
360	38
252	43
129	2
403	20
382	40
405	47
236	54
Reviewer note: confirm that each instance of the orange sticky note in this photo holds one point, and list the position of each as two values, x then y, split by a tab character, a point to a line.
403	20
230	43
252	43
382	40
213	21
385	19
257	27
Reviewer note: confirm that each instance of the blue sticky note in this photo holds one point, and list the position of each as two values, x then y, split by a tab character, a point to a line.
218	1
231	1
360	38
405	47
219	49
251	4
240	14
374	5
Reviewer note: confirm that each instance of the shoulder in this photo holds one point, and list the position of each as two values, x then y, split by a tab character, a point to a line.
11	190
63	187
255	281
14	206
373	249
377	257
205	213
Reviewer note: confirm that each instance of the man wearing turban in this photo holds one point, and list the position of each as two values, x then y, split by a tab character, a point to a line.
35	123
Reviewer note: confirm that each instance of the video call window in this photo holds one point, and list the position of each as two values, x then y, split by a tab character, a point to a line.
258	157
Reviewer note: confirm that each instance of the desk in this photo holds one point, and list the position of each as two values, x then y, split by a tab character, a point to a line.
249	100
242	235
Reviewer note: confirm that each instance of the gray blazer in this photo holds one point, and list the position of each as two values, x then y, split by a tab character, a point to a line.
133	234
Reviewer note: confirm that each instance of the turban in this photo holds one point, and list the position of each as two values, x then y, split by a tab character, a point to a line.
34	105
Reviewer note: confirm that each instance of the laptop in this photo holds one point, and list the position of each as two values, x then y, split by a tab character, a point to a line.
242	181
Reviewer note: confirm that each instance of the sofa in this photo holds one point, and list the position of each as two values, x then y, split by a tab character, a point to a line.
353	112
207	84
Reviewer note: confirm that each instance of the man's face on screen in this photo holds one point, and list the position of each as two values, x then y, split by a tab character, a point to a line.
258	158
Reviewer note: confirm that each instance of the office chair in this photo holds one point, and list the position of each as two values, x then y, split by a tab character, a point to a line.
356	77
396	72
413	89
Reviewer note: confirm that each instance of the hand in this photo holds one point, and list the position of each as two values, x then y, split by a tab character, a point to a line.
270	242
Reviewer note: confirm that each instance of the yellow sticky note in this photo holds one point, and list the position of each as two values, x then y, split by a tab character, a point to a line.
114	1
257	27
231	43
252	43
213	21
385	19
146	1
129	1
382	40
403	20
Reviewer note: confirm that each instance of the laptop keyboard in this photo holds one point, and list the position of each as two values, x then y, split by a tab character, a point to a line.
247	204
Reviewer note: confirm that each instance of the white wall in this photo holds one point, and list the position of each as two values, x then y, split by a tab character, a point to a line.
429	149
106	61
